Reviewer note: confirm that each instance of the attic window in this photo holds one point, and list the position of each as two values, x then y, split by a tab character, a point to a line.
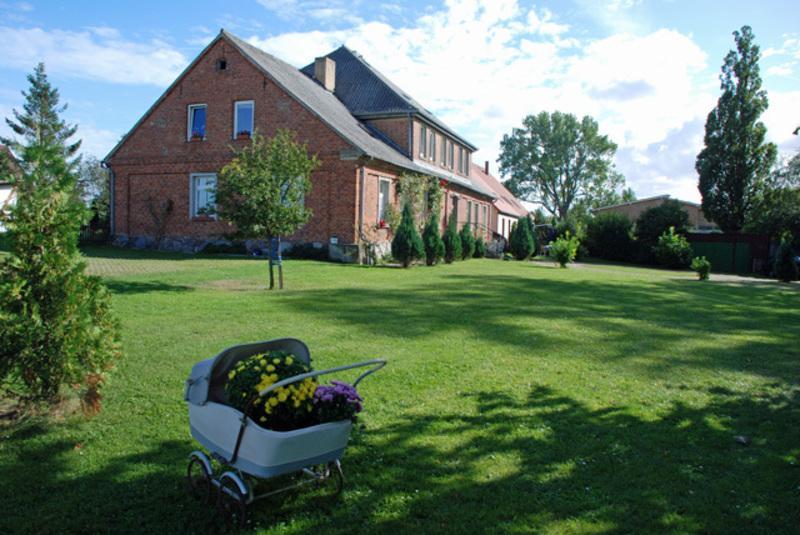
222	64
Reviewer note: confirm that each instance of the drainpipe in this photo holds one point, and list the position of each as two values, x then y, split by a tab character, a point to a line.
410	136
361	185
111	189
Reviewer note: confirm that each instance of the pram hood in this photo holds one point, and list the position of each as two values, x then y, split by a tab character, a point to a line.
207	379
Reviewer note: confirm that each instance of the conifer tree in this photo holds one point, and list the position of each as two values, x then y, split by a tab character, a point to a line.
434	246
452	242
520	241
467	242
407	245
785	264
56	326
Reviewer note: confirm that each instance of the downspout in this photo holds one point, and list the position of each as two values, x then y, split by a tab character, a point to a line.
361	185
410	136
111	198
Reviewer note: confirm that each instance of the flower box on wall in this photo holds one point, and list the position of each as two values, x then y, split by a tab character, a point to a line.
243	136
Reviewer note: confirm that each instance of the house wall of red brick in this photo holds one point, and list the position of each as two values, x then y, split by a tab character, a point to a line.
395	128
436	159
155	162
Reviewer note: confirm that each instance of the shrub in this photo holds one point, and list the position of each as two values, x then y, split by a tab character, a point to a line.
609	236
339	401
235	247
785	264
564	249
673	251
702	266
407	245
654	222
520	241
308	251
452	242
434	246
480	248
285	408
467	242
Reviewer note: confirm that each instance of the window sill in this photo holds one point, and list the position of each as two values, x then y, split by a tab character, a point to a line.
196	140
203	218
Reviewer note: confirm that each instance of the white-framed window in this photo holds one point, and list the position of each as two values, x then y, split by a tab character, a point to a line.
485	216
475	219
423	140
432	151
384	187
203	188
460	159
196	121
469	212
444	151
243	117
451	161
466	162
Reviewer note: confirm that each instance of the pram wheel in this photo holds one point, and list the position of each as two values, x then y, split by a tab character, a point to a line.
231	501
332	477
198	475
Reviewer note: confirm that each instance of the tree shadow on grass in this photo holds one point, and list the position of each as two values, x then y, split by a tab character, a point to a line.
125	287
501	463
549	462
627	320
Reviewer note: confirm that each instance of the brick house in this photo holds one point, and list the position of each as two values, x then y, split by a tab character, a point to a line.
6	188
506	209
365	131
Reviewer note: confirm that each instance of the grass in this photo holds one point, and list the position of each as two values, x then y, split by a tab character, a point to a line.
518	398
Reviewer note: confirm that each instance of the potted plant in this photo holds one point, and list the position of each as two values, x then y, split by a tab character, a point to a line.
197	136
243	135
382	224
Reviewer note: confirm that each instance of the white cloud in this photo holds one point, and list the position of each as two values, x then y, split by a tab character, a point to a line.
482	66
784	69
98	53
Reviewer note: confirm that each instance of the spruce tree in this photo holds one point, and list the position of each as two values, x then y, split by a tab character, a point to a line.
480	248
521	242
452	242
434	246
55	320
736	160
407	245
40	123
467	242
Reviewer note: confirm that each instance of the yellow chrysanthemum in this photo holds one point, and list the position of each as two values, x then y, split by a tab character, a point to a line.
276	361
263	362
273	401
289	360
262	419
282	397
232	375
296	404
270	368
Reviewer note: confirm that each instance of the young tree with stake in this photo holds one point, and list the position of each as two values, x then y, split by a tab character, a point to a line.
262	191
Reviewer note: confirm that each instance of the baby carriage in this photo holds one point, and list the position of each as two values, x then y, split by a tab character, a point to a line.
248	452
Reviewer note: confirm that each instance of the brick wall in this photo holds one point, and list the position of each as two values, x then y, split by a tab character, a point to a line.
155	162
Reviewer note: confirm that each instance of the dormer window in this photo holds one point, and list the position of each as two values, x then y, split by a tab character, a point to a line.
432	147
243	112
423	141
196	128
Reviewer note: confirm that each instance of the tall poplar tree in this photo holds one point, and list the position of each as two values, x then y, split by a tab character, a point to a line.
736	160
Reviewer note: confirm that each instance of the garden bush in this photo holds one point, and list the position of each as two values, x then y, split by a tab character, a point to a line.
467	242
702	266
480	248
564	249
407	244
452	243
308	251
609	236
521	242
654	222
434	245
785	264
673	251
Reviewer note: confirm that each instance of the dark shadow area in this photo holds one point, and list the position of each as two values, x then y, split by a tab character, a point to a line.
123	287
634	319
507	463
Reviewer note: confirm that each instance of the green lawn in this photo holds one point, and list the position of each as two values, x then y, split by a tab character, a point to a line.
518	398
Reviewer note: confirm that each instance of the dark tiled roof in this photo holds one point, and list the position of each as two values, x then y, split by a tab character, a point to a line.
367	92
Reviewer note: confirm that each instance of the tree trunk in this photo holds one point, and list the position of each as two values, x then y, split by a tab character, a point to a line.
271	275
280	263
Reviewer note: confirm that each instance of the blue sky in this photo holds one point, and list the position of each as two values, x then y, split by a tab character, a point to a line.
647	70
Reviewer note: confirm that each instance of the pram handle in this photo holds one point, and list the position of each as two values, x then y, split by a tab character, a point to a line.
376	364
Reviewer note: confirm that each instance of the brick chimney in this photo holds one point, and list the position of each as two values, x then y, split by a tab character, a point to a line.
325	72
486	167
